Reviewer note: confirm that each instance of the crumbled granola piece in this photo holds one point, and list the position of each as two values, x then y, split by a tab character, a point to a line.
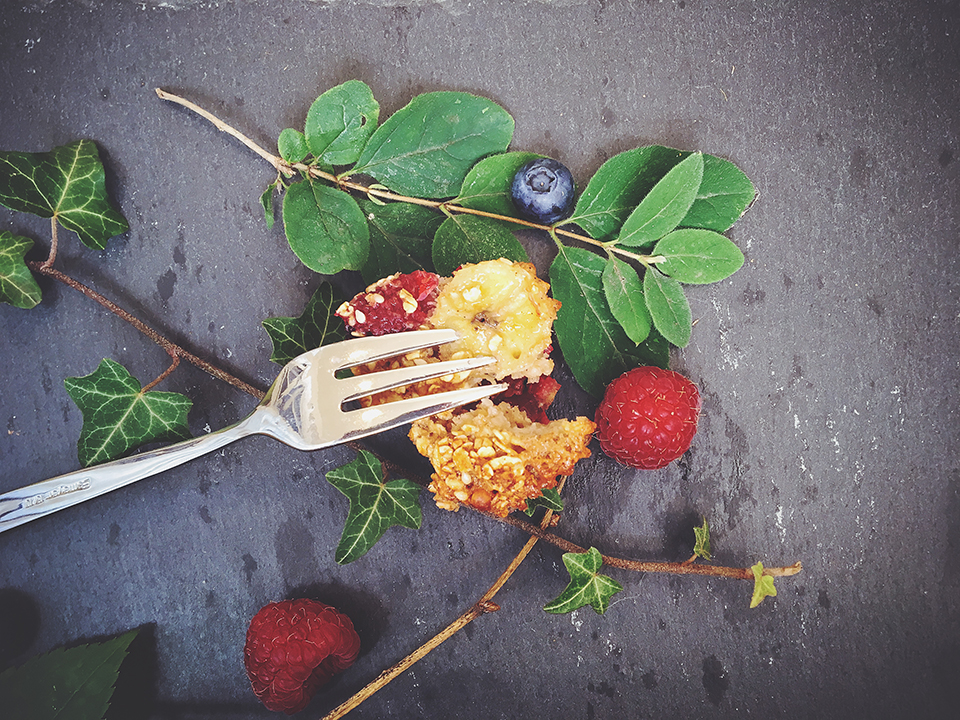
495	458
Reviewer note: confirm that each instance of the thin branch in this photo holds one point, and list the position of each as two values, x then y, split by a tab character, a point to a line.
483	606
172	348
345	183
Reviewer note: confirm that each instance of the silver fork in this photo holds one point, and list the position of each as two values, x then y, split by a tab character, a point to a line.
303	408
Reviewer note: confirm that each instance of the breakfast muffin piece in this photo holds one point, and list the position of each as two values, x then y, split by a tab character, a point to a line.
497	455
495	458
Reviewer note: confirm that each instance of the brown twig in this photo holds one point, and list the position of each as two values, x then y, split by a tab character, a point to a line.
483	606
172	348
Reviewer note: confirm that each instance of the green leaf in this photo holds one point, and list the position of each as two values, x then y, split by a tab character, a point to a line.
465	239
549	499
426	148
624	292
665	205
67	183
375	506
698	256
17	284
266	202
325	228
401	238
317	325
618	186
340	122
701	542
762	585
292	145
75	683
668	307
587	586
593	344
119	417
487	185
725	194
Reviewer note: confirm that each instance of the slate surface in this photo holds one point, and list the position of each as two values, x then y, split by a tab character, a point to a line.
828	364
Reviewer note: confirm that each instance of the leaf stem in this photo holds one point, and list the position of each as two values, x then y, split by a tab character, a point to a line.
172	348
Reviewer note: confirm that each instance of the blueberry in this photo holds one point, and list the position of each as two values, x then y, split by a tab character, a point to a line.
542	191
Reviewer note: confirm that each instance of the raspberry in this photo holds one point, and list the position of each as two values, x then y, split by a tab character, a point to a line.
295	646
394	304
648	417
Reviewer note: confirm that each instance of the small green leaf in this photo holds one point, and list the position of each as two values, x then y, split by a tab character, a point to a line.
668	307
725	194
593	344
292	145
549	499
75	683
426	148
340	122
624	292
317	325
665	205
375	506
698	256
587	586
266	202
119	417
67	183
762	585
464	239
17	284
401	238
701	542
487	185
325	228
618	186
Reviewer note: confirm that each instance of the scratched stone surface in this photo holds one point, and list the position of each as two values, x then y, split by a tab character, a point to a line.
828	364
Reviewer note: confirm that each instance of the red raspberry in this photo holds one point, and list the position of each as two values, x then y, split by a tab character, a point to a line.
648	417
395	304
295	646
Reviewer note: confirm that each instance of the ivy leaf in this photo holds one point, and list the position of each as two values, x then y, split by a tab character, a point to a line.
618	186
465	239
375	506
587	586
698	256
17	284
593	344
665	205
266	202
624	292
340	122
668	307
549	499
67	183
325	228
119	417
292	145
725	194
317	325
426	148
401	238
487	185
762	585
701	541
75	683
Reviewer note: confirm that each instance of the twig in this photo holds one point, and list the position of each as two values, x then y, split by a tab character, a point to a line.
172	348
483	606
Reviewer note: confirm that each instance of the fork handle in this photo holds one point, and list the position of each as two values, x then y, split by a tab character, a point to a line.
47	496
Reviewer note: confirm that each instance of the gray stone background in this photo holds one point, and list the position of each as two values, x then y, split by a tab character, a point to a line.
828	364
